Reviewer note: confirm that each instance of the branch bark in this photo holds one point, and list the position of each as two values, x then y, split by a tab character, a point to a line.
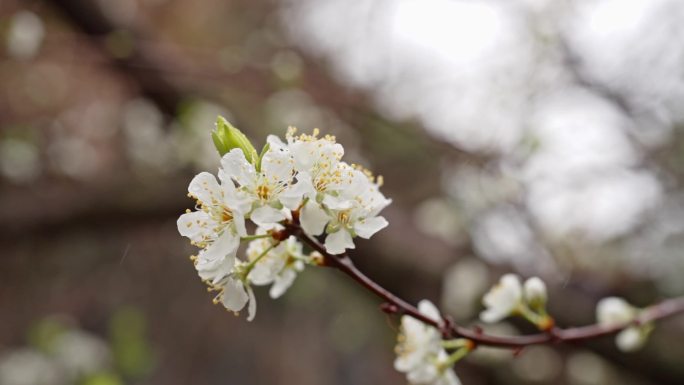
449	329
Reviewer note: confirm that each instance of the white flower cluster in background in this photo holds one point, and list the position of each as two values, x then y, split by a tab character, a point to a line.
616	312
301	178
509	297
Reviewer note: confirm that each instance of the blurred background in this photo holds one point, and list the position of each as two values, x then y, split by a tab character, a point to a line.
542	137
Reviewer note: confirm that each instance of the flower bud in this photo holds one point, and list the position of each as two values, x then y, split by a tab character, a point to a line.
535	293
226	137
614	311
631	339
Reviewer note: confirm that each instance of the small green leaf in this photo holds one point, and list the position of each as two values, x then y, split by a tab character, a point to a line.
261	156
226	137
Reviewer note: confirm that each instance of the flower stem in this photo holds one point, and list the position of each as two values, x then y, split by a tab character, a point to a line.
455	357
253	262
456	343
255	236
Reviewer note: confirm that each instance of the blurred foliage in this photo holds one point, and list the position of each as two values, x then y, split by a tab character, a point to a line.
132	354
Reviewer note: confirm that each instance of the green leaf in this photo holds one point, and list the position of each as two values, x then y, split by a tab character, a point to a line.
226	137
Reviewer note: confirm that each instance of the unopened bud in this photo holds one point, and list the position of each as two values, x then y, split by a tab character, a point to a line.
226	137
535	293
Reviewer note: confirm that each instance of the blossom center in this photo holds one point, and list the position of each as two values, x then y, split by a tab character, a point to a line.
226	215
263	192
343	217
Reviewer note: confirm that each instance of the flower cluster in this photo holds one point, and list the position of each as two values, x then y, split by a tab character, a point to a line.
302	177
301	189
510	297
420	351
614	311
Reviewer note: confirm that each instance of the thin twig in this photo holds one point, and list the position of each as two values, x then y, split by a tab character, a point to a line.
449	329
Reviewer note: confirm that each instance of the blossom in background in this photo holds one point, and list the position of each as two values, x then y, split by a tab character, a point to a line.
534	290
510	297
503	299
420	353
615	311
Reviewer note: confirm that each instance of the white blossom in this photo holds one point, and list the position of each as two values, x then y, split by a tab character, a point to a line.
615	311
354	212
503	299
81	353
535	292
216	226
319	172
264	191
234	294
29	367
305	174
419	351
279	266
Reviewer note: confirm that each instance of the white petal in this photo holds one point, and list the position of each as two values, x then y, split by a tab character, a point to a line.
313	218
535	291
205	188
493	315
423	374
502	299
302	154
282	283
292	196
217	260
251	308
234	296
407	361
338	203
275	142
630	339
267	217
277	165
265	271
191	224
338	242
365	228
234	199
239	223
614	311
429	310
225	245
379	203
236	166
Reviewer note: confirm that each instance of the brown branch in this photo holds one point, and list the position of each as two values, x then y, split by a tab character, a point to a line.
449	329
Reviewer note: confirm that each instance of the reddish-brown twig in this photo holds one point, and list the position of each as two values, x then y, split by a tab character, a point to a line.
449	329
